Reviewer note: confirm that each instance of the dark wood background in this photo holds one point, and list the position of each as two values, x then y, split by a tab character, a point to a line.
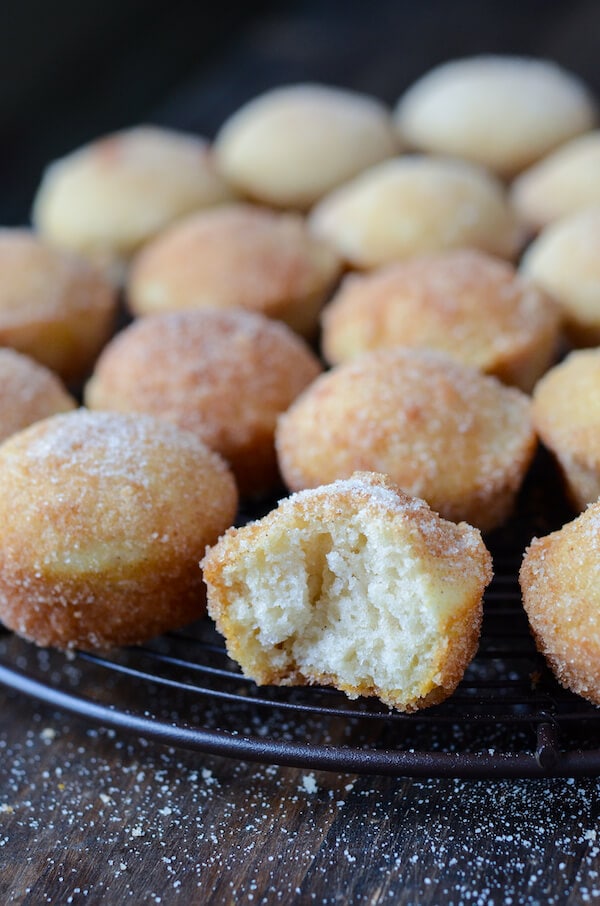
71	70
90	816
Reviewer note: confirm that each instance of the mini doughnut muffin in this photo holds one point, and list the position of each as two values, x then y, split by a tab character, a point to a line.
564	261
504	112
290	146
465	302
413	205
560	582
224	375
54	307
562	183
103	518
441	430
354	585
28	393
566	415
107	198
238	256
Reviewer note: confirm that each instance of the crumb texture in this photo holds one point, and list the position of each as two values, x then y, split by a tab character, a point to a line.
353	585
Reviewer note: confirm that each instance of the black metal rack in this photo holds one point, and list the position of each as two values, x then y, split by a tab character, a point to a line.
508	718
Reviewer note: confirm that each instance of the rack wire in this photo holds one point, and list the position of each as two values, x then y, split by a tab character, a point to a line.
508	717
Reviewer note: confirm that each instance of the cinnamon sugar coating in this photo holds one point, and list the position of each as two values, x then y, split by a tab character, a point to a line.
237	256
103	518
442	431
560	582
566	416
28	393
464	302
54	307
225	375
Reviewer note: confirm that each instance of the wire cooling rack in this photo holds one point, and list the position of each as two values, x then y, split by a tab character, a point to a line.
508	718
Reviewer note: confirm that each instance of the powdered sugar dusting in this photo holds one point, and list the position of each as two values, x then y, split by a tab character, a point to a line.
101	444
112	820
376	492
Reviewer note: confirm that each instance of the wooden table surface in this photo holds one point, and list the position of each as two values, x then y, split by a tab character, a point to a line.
88	815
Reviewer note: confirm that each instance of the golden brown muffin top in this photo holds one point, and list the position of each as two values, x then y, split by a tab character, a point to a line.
232	256
38	282
443	431
96	487
225	375
28	392
464	302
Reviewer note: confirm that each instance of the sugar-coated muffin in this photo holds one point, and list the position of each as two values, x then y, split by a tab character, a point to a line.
564	261
504	112
415	204
54	306
565	181
224	375
560	583
566	416
464	302
354	585
291	145
108	197
29	392
441	430
237	256
103	519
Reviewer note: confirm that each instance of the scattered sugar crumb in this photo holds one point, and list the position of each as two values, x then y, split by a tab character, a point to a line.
309	783
48	734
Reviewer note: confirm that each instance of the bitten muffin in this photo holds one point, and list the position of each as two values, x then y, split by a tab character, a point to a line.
224	375
291	145
28	393
353	585
54	307
238	256
566	416
562	183
504	112
103	518
560	582
412	205
107	198
564	261
442	431
464	302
